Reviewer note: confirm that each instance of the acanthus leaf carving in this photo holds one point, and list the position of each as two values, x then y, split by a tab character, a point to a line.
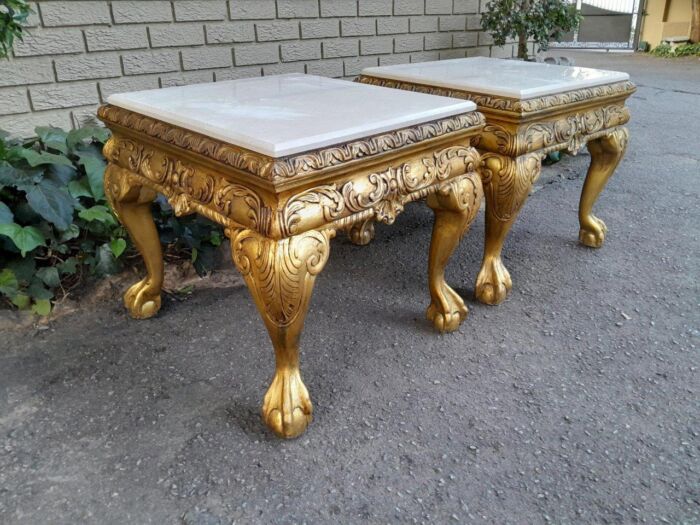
295	165
278	272
383	192
507	181
506	104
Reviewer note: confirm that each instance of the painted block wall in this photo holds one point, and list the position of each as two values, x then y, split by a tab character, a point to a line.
76	53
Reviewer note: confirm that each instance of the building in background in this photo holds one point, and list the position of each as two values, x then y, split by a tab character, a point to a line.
623	24
665	19
606	24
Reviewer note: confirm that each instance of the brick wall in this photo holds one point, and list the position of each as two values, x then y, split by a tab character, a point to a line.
76	53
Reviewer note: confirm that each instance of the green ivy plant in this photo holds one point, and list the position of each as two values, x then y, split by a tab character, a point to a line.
13	16
56	227
682	50
540	20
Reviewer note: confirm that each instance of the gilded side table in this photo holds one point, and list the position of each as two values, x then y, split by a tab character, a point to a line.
283	163
531	109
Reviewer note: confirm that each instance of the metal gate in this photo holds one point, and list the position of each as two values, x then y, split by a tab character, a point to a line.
606	24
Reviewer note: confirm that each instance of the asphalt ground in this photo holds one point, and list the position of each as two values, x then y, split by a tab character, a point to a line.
575	401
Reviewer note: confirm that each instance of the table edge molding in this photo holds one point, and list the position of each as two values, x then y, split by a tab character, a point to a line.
282	169
509	105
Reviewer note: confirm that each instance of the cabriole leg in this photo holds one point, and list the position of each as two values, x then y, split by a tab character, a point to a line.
280	275
131	203
507	182
606	153
455	206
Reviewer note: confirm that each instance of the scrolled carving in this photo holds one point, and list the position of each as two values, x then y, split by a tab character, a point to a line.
361	233
189	187
326	197
333	156
230	198
138	157
507	182
288	167
384	192
506	104
280	273
239	158
572	131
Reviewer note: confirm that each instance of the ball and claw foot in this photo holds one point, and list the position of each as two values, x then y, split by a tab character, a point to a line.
287	408
493	282
593	234
141	300
449	312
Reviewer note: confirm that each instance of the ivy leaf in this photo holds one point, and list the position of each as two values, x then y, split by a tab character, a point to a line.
14	153
52	202
69	266
23	268
62	174
54	138
60	248
8	174
20	179
6	215
24	214
98	213
117	246
77	136
95	171
215	238
106	262
21	301
49	275
38	158
37	290
9	286
70	233
205	261
79	188
42	307
26	238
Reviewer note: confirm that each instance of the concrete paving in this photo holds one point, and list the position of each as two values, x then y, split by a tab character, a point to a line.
576	401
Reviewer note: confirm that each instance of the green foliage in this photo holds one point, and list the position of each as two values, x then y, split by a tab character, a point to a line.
192	235
552	158
56	227
13	15
662	50
540	20
683	50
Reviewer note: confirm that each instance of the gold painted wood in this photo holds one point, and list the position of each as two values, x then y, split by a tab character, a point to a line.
606	153
361	233
280	215
131	202
455	205
517	135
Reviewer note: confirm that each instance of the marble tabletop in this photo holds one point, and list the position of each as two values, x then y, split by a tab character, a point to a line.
288	114
493	76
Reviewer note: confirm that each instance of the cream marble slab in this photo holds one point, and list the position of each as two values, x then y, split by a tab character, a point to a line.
494	76
288	114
